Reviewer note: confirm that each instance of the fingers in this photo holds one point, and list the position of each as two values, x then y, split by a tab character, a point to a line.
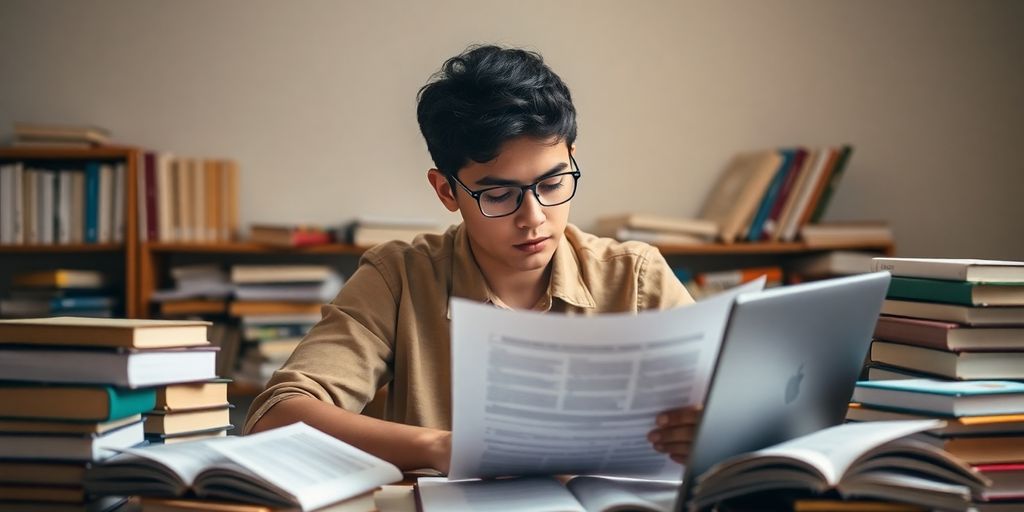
684	416
672	435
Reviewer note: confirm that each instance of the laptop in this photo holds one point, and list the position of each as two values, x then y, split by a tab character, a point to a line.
787	367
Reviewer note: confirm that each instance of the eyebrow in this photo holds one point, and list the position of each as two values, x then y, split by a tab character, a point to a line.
488	180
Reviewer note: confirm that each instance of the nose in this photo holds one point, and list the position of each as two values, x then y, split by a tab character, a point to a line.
530	213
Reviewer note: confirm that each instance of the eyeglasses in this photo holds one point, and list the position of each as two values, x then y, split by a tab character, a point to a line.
505	200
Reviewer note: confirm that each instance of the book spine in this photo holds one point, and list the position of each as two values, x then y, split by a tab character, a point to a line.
150	203
757	225
920	335
922	269
128	402
951	292
47	207
64	190
6	205
118	206
833	181
773	224
92	195
18	189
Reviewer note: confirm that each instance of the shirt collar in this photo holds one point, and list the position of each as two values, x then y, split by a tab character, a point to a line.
467	281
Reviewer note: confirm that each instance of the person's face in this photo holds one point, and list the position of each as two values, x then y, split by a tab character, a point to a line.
526	239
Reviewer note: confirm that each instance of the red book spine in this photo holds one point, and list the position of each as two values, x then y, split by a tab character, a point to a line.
151	209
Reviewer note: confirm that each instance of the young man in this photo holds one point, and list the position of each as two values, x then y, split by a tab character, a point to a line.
501	129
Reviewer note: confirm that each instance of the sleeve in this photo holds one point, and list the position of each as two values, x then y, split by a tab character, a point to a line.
346	357
657	285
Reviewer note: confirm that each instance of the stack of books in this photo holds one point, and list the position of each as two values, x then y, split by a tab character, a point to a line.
62	202
368	231
268	341
73	391
47	135
830	264
290	235
190	411
709	283
657	229
950	344
59	292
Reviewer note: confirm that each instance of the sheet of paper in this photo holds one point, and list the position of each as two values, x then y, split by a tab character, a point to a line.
538	393
536	494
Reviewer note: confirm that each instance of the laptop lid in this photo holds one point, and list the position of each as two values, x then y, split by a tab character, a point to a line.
789	361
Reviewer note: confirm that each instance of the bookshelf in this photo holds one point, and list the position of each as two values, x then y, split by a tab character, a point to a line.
115	258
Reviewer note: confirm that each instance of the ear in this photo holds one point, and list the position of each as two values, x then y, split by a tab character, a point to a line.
443	189
572	149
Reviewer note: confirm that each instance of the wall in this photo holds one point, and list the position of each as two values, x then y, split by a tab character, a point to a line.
317	99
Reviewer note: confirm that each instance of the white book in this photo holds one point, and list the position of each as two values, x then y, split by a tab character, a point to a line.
971	270
64	192
879	460
47	446
791	224
130	368
182	196
140	198
30	206
197	178
165	201
105	200
118	206
547	494
295	466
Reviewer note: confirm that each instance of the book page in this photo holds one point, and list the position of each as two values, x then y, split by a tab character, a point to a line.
537	393
186	460
534	494
611	494
834	449
310	466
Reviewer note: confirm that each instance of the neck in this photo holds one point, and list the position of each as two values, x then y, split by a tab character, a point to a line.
517	289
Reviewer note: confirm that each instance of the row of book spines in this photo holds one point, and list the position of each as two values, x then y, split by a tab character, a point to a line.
72	206
187	199
783	208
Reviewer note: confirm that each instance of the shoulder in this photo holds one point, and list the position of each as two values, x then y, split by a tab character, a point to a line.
426	254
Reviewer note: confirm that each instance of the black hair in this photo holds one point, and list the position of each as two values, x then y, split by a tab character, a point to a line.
487	95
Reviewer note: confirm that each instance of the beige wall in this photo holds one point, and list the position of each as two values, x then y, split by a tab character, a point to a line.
317	99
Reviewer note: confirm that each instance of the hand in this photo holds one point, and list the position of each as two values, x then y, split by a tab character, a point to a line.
674	433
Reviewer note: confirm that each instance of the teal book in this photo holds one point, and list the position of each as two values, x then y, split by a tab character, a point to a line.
956	292
92	207
59	402
942	397
757	225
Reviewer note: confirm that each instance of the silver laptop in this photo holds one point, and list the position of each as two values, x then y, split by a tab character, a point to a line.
787	367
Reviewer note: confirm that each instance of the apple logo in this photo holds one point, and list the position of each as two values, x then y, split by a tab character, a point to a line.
793	386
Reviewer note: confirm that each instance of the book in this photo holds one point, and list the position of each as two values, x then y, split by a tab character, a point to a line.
320	292
879	371
42	473
294	235
1007	481
878	460
104	504
71	402
81	306
956	292
46	446
834	263
255	308
971	270
361	503
831	182
60	278
652	237
950	365
192	395
970	315
126	333
756	227
949	336
853	505
847	233
946	398
542	494
25	131
260	274
295	466
736	194
791	218
65	427
773	223
131	368
964	425
1004	449
179	422
701	229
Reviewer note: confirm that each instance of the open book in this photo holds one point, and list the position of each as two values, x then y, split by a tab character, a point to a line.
547	494
881	460
293	466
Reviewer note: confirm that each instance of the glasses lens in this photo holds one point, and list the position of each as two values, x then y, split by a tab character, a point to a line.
556	189
500	201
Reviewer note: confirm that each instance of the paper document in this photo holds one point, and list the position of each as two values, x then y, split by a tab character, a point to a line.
537	393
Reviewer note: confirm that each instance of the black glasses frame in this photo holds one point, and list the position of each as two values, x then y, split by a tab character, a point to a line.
476	194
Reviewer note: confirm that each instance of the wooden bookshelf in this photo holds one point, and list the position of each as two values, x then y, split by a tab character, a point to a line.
10	255
770	248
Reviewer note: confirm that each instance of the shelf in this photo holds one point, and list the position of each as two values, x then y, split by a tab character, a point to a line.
59	248
250	248
58	153
766	248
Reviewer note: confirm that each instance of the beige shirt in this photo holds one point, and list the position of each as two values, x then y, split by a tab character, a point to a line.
390	325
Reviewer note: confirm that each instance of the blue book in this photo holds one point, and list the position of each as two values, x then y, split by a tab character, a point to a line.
757	225
941	397
92	205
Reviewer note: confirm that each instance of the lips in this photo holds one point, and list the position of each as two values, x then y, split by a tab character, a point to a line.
532	245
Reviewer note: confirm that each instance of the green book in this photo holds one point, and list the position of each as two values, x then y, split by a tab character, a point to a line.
956	292
72	402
